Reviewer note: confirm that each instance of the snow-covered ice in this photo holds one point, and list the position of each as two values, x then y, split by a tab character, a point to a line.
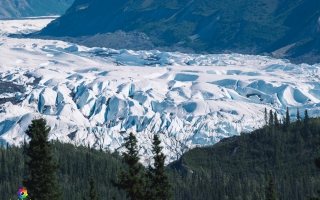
97	96
24	25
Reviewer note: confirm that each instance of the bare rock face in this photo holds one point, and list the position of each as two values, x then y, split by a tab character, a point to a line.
28	8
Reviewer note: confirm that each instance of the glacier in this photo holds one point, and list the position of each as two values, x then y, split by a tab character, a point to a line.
97	96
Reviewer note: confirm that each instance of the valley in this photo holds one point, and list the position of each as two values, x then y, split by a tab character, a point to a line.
96	96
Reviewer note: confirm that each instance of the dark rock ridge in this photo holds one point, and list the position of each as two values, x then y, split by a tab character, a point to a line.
284	29
29	8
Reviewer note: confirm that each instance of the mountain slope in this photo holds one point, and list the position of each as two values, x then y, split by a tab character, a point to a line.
77	164
239	167
202	26
235	168
30	8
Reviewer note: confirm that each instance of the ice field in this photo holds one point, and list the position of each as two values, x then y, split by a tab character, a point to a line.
96	96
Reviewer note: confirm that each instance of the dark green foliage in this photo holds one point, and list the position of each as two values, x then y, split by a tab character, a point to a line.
132	181
11	171
235	168
298	122
298	116
42	181
265	116
271	193
314	198
276	120
160	187
287	120
93	195
306	120
317	163
238	167
271	122
92	192
77	165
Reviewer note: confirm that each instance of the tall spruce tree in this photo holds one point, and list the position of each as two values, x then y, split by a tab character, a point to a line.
287	120
306	121
93	195
42	181
276	120
298	123
160	187
266	116
271	118
132	181
271	193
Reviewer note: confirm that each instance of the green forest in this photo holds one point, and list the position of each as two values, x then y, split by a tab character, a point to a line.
238	167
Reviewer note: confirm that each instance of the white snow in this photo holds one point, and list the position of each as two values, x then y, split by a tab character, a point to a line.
97	96
23	26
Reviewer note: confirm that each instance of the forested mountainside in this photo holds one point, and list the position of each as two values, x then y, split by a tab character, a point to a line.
31	8
285	29
239	167
235	168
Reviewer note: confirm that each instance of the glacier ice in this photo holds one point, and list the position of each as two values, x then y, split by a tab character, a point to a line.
188	99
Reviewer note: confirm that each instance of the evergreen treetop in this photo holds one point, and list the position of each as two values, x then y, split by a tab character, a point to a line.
160	187
42	182
276	120
93	195
306	121
271	194
265	116
271	118
132	181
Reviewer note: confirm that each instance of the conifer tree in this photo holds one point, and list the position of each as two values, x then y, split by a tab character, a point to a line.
271	194
132	181
287	120
287	117
270	118
265	116
160	187
306	120
42	180
276	120
317	163
280	122
298	123
93	195
298	115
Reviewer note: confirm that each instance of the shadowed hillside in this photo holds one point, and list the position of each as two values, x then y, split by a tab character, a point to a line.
243	26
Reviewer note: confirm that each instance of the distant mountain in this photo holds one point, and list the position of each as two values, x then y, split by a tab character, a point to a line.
29	8
288	29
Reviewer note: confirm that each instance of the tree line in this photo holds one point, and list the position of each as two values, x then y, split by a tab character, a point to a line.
40	176
239	167
276	161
